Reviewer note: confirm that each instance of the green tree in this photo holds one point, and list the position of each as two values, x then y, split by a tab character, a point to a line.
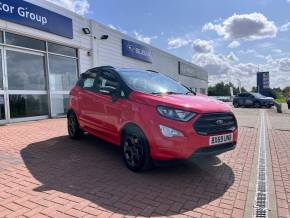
223	89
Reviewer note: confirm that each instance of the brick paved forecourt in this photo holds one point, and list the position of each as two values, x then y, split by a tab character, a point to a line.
279	141
43	173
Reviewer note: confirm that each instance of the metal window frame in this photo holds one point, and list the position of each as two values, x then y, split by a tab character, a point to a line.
6	92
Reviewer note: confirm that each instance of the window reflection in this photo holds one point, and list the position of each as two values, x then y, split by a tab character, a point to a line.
25	71
59	104
1	71
61	49
28	105
2	108
24	41
63	73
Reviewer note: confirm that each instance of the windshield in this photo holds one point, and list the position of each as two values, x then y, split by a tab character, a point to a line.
151	82
258	95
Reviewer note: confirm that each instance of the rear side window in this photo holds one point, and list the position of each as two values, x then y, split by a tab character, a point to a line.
88	81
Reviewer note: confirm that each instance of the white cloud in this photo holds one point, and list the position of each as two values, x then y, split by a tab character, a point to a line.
112	26
244	26
117	28
142	38
231	56
285	27
79	6
222	68
174	43
248	51
202	46
234	44
278	51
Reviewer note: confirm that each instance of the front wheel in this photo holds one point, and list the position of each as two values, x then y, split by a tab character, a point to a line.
73	127
135	150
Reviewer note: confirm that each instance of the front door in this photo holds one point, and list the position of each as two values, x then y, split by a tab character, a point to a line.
27	96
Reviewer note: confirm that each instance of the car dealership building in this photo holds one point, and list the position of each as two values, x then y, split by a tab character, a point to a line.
44	48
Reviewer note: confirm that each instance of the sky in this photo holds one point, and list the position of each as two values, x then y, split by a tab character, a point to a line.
231	39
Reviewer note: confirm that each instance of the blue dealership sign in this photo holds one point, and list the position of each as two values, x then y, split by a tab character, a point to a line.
136	51
27	14
263	83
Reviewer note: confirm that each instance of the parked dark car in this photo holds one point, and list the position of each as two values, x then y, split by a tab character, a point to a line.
288	101
251	99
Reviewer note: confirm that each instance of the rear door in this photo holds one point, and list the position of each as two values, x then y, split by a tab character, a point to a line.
88	102
249	99
241	99
110	110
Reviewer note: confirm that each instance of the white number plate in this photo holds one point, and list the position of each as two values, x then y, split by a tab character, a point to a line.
221	139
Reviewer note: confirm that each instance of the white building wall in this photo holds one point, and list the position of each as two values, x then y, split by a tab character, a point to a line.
109	52
80	40
94	52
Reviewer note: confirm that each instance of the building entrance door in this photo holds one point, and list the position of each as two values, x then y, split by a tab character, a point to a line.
26	95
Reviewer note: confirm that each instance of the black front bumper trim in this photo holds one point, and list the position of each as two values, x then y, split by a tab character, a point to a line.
214	150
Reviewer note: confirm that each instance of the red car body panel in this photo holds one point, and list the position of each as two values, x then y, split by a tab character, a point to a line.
100	116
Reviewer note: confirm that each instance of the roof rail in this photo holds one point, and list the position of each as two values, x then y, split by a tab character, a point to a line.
108	66
152	71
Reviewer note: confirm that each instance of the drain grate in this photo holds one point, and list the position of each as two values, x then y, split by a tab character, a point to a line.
261	209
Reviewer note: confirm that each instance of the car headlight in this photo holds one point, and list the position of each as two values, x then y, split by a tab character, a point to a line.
175	114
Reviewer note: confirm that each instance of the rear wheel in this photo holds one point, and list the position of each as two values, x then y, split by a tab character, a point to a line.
236	105
73	127
257	105
135	150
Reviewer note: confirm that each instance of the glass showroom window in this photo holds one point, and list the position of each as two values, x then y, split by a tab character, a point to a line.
25	71
1	72
23	41
26	84
28	105
2	108
63	74
2	102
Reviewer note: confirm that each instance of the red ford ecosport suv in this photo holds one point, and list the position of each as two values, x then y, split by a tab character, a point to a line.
151	116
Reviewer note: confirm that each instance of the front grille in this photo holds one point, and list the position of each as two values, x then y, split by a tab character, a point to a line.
214	123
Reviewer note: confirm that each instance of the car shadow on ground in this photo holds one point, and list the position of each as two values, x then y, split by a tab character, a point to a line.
92	169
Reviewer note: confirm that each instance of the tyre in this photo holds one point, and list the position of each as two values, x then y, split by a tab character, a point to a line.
73	127
257	105
135	149
289	106
236	105
269	106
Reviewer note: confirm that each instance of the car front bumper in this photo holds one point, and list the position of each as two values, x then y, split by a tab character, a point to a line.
163	148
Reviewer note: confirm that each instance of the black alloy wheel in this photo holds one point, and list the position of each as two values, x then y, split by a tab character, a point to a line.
136	150
73	127
236	105
257	105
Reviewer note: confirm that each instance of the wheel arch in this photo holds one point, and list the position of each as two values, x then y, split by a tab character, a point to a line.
128	126
69	112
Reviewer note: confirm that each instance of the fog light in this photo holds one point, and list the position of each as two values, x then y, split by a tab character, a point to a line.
169	132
